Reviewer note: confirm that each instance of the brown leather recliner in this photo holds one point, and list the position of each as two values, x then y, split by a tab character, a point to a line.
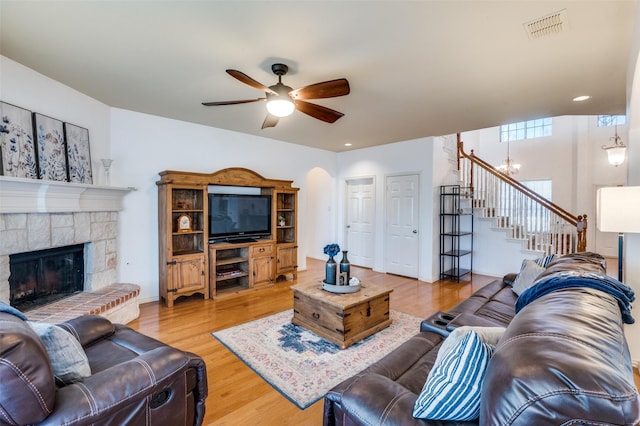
135	379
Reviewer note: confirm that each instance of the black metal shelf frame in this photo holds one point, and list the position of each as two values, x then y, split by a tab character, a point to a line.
456	232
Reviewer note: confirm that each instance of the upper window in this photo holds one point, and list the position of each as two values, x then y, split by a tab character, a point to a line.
611	120
542	187
525	130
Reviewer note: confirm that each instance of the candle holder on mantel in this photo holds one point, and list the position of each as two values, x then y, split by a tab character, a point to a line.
106	163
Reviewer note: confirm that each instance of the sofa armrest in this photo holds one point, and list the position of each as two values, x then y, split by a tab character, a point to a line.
472	321
129	392
371	399
197	383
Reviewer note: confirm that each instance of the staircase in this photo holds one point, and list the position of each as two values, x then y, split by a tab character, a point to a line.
541	225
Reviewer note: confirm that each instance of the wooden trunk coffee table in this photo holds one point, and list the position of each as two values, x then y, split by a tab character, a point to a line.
343	319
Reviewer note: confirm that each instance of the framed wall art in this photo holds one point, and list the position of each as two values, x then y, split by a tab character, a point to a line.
78	153
17	149
52	155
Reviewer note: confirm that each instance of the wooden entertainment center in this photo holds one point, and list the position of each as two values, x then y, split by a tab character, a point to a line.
190	263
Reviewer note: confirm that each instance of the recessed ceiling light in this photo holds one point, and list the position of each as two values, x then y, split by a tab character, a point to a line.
581	98
348	144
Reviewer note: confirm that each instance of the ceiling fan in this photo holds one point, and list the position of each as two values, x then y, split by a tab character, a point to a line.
282	99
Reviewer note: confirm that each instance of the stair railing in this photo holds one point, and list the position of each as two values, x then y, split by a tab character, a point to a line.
528	216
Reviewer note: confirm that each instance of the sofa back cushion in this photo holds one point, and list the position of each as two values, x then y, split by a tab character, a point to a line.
564	355
584	261
27	387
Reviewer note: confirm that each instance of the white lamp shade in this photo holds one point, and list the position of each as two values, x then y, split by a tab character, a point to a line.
616	155
617	209
280	107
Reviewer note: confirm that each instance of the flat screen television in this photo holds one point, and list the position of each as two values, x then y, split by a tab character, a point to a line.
239	216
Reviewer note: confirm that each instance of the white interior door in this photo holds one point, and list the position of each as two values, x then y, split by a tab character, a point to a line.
360	212
401	233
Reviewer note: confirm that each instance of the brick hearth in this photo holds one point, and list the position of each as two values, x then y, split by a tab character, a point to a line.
114	302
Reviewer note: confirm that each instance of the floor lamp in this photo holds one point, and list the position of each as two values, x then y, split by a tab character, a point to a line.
618	210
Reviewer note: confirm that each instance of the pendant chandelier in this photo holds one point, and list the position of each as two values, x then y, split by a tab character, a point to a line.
509	167
616	152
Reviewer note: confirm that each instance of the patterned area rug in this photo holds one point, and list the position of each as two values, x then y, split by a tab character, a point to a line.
303	366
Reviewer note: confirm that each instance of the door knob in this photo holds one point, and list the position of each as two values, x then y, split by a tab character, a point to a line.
415	231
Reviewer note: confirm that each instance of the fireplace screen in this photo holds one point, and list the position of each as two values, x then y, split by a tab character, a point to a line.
41	277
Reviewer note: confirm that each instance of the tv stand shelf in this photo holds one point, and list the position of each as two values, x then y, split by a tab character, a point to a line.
231	261
239	266
192	260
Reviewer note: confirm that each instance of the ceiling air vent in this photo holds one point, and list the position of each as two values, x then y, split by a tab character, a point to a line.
554	23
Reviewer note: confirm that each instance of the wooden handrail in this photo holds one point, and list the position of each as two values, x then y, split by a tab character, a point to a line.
570	218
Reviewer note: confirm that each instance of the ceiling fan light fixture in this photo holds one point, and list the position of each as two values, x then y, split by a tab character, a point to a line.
282	100
280	107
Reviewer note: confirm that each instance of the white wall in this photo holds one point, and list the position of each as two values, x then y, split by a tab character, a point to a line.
25	88
143	145
321	212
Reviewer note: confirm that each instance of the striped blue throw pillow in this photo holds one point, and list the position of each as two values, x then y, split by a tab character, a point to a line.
452	389
544	261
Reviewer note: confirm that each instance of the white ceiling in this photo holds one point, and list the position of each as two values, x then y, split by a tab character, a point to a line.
416	68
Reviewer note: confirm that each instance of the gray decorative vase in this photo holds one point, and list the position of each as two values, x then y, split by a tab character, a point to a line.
331	270
345	269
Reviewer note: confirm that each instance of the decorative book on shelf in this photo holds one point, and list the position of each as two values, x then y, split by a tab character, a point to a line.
228	272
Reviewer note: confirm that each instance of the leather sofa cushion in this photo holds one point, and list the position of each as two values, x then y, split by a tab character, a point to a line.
494	302
25	369
410	363
564	353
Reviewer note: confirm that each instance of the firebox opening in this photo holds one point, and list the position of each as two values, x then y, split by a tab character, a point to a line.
41	277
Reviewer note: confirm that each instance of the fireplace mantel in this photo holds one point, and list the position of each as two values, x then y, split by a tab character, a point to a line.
21	195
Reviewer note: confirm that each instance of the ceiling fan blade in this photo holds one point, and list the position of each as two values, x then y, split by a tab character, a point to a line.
245	101
318	111
248	80
270	121
326	89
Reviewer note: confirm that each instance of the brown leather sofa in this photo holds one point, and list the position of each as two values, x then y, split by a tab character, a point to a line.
135	380
562	360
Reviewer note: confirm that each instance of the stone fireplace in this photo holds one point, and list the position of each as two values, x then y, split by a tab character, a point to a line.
37	215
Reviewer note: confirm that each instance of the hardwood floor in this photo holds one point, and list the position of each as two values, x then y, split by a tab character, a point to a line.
237	395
